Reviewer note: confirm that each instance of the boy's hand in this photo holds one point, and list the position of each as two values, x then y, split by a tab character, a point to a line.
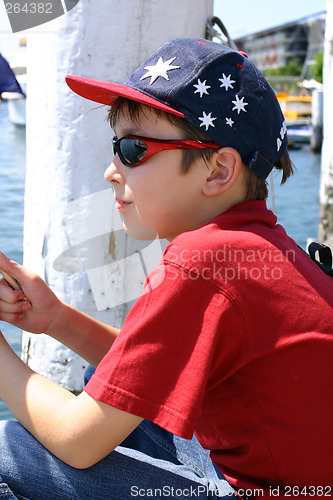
34	307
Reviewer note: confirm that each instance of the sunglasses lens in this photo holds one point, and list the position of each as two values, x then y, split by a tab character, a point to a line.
132	150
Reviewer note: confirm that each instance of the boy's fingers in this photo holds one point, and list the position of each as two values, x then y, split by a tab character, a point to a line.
12	318
6	268
7	294
13	272
13	307
10	280
5	262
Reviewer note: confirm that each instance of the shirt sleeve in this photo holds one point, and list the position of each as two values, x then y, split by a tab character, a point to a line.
182	335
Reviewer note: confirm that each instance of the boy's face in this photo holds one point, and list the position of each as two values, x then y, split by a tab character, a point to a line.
154	198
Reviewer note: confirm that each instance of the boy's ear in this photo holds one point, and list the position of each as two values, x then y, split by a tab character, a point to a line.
225	166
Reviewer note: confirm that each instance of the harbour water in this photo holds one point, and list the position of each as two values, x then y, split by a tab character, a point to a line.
12	177
296	203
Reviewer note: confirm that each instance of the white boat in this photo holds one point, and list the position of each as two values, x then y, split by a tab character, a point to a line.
17	102
299	133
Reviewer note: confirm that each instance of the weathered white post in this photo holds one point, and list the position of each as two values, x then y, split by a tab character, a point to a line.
326	184
72	235
317	120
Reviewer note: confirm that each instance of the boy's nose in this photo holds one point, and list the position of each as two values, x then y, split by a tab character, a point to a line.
112	173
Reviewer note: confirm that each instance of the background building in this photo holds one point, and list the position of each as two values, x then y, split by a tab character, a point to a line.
275	47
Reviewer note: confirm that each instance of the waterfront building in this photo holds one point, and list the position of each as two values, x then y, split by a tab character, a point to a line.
275	47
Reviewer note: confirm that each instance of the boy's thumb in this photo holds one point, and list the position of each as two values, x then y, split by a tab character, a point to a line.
8	269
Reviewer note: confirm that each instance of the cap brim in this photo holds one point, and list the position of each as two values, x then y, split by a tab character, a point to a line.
106	93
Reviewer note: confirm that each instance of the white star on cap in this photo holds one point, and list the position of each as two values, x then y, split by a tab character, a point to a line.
226	82
159	69
229	122
207	120
239	104
201	87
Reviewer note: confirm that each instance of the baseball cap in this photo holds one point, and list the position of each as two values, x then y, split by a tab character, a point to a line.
219	90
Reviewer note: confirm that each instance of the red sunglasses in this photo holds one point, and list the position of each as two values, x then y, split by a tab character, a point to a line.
133	150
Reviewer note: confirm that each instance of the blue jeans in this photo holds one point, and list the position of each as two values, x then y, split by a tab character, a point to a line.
150	463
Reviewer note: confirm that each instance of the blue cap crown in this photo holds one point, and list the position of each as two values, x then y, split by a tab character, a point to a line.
221	92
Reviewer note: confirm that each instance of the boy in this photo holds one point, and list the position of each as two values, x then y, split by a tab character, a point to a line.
232	336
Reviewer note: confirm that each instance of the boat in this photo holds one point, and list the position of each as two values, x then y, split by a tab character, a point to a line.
299	133
13	84
295	107
297	110
17	103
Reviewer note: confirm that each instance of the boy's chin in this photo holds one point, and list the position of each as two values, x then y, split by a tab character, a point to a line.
141	232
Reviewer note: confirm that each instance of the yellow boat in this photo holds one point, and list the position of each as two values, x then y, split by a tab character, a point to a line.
297	110
295	106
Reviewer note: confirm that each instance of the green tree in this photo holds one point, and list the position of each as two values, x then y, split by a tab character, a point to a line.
293	68
317	68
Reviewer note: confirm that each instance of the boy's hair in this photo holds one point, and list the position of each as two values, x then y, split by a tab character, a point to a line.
257	188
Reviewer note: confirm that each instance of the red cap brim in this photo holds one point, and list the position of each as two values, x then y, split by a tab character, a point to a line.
106	93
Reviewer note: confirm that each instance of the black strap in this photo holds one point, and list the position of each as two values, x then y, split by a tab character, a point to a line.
325	256
260	165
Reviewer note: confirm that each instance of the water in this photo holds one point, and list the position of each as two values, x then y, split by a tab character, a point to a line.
297	203
12	176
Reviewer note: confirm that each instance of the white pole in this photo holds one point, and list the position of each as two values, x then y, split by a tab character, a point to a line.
317	120
326	184
72	235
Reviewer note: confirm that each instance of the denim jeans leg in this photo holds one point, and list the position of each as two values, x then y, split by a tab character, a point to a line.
158	443
6	493
32	473
150	463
